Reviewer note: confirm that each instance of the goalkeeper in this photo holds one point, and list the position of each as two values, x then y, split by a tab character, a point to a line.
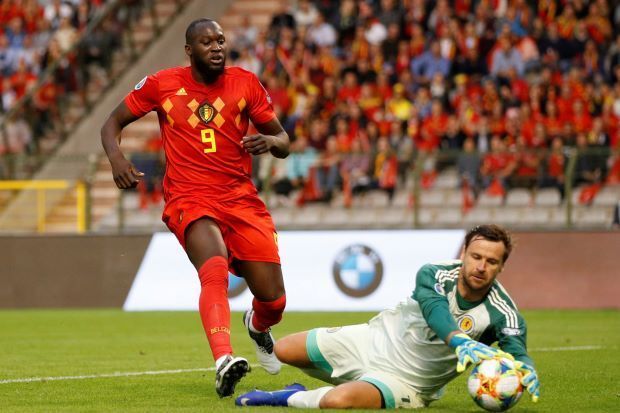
404	357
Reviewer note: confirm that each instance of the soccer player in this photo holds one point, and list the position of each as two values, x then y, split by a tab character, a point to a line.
211	204
404	357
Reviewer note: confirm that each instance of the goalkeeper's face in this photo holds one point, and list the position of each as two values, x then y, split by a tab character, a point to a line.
482	262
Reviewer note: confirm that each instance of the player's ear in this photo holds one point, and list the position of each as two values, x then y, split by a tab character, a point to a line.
188	50
462	253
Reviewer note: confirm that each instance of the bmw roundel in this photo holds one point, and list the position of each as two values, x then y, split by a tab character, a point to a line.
358	270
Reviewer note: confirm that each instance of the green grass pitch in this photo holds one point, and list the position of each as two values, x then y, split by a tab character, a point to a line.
576	354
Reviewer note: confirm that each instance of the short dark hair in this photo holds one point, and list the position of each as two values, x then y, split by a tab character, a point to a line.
491	232
190	33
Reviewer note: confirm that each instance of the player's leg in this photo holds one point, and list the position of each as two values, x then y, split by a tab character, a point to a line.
266	284
352	395
292	350
355	394
374	390
206	249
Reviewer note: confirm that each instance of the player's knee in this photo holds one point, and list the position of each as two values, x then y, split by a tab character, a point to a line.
282	349
337	399
291	350
271	310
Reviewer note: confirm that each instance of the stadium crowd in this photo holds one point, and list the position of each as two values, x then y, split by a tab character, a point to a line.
502	89
38	34
368	90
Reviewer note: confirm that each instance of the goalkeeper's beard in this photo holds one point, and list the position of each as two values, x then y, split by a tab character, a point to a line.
476	288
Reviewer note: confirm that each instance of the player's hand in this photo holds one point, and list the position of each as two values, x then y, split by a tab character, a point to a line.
125	174
529	379
470	351
257	144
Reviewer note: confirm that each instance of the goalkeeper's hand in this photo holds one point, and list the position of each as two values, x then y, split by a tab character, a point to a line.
470	351
529	379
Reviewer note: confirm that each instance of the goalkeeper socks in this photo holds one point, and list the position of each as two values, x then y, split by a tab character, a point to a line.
267	313
310	399
213	305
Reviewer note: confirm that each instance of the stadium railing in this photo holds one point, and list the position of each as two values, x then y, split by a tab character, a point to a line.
37	217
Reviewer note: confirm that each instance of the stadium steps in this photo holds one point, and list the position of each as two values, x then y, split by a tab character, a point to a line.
104	195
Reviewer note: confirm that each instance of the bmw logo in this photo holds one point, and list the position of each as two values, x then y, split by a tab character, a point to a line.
236	285
358	270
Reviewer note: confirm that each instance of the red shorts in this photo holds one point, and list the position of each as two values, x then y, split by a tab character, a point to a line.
246	225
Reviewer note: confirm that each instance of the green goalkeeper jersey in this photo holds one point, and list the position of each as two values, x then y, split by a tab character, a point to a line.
405	345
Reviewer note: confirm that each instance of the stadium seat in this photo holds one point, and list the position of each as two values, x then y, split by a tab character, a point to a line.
547	197
453	198
363	218
557	217
447	179
518	197
401	198
535	217
592	216
432	197
307	216
607	196
282	216
377	199
336	218
395	217
426	216
478	215
509	216
488	200
448	217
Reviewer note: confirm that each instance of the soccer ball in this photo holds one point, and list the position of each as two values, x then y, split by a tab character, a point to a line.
495	384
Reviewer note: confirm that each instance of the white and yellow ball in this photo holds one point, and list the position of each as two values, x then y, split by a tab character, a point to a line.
495	384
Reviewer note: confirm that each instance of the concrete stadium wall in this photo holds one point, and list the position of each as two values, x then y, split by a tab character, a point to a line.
564	270
546	270
68	271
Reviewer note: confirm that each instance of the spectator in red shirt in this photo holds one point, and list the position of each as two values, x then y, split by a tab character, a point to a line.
554	166
527	164
552	121
22	79
580	118
350	89
498	164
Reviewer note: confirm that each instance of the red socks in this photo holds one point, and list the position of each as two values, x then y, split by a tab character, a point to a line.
267	313
213	305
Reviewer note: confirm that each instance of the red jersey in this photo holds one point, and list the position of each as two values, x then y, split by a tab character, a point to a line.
202	126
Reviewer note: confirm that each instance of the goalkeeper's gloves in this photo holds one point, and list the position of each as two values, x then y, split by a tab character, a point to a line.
470	351
529	379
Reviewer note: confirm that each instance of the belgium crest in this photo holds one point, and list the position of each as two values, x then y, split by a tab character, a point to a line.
206	112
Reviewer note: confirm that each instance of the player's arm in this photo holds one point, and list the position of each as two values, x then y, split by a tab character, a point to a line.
434	305
272	138
436	312
513	341
124	173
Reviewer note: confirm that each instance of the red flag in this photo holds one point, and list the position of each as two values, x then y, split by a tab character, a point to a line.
468	199
496	188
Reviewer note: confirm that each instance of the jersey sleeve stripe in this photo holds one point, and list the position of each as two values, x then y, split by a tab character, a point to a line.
501	287
500	304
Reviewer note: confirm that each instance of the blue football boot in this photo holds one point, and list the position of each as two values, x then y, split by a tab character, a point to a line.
269	398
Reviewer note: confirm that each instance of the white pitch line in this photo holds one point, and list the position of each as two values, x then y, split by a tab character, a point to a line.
178	371
100	376
569	348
